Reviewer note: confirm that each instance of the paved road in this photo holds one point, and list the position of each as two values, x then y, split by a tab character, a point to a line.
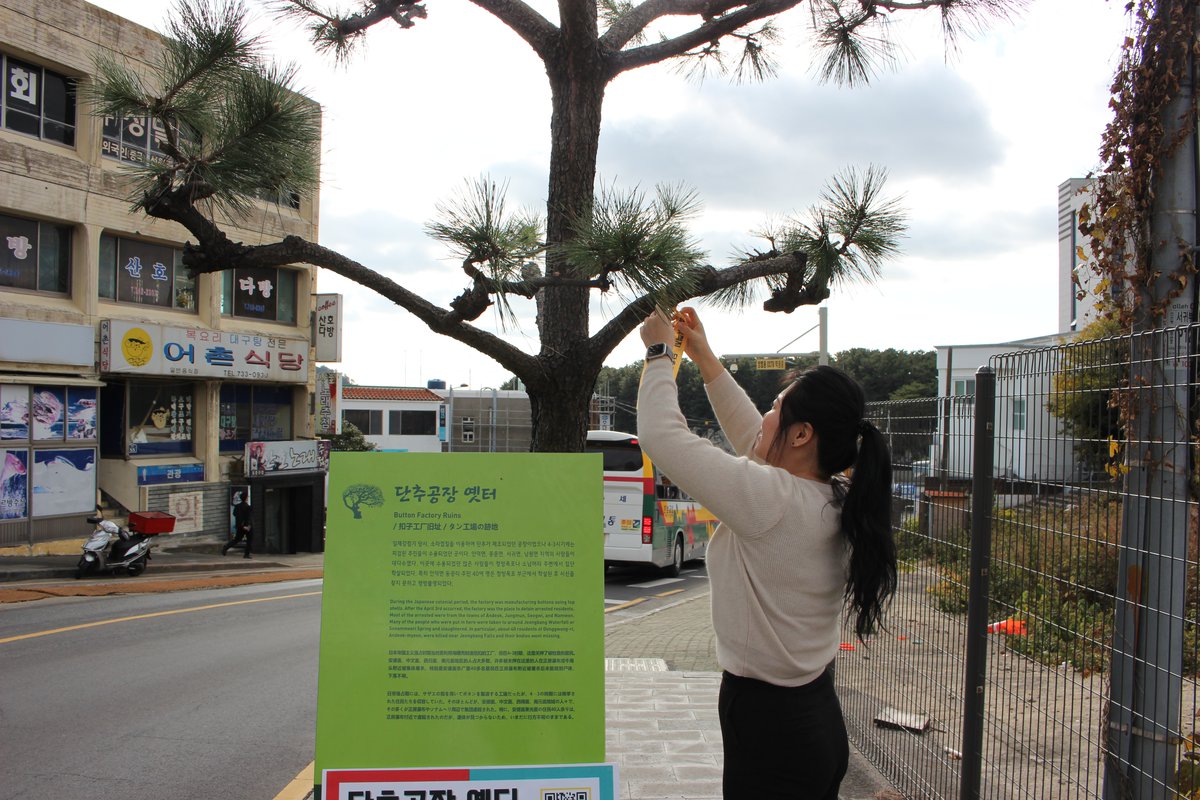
189	695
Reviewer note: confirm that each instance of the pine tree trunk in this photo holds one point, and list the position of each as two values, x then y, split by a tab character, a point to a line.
560	400
560	410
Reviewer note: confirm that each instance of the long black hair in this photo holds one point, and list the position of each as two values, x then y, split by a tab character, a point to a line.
834	404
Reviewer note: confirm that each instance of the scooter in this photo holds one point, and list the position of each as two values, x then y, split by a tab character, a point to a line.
111	548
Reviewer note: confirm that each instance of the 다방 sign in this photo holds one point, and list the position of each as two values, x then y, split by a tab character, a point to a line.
468	599
147	349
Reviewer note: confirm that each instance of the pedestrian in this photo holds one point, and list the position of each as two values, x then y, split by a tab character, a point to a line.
241	524
797	542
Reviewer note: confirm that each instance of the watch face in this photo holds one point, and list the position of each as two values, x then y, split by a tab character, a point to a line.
656	350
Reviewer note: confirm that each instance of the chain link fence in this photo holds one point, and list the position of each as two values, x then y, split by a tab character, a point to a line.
1043	642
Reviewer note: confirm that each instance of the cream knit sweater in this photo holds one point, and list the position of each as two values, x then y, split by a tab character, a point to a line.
777	562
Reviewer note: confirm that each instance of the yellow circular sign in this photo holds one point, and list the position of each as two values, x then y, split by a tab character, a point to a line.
137	347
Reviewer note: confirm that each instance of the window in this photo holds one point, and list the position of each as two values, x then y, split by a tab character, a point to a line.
618	456
412	423
147	274
284	198
38	102
36	255
368	421
964	396
268	294
253	413
1018	414
159	418
135	140
468	429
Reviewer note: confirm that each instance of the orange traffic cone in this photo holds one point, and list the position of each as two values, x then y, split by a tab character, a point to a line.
1010	626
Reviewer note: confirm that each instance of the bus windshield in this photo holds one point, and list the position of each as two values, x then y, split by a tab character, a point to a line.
619	456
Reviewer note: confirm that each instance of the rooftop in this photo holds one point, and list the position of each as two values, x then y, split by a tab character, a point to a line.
389	393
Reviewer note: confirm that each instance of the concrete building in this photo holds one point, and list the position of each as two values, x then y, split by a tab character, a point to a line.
120	375
487	421
1029	447
396	418
1078	303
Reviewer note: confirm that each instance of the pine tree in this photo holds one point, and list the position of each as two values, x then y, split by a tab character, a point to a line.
236	130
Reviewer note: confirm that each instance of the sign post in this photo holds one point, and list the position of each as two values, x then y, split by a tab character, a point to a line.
462	637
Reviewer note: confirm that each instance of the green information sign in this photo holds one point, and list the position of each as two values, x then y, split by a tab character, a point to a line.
462	616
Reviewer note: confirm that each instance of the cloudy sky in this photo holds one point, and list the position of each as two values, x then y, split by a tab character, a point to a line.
975	144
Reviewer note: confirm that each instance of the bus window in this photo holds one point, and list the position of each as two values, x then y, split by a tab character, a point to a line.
618	456
666	490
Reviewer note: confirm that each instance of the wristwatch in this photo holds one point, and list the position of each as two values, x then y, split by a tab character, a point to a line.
660	350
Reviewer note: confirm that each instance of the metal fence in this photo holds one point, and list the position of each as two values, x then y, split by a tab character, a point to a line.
1043	642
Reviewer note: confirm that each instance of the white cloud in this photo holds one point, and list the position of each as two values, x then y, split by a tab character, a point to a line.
977	146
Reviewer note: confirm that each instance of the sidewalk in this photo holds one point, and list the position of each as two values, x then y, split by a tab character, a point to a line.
661	683
661	677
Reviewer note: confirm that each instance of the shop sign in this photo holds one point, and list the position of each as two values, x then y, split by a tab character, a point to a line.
32	342
147	349
169	473
299	455
329	421
327	327
469	609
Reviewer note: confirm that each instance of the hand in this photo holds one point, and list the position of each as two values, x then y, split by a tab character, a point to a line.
696	344
657	328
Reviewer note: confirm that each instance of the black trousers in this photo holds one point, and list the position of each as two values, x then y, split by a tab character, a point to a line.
782	742
243	535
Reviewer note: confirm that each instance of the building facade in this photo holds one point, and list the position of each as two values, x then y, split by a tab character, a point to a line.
396	418
122	377
488	421
1078	302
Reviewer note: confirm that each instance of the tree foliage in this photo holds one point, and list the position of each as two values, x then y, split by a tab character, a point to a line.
1085	394
884	374
1137	144
351	439
237	130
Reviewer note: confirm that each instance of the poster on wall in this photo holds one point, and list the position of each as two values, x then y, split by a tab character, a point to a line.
81	412
188	510
470	618
14	413
14	484
49	413
64	482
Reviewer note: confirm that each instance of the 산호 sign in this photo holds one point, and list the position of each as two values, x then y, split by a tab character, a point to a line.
327	327
147	349
463	603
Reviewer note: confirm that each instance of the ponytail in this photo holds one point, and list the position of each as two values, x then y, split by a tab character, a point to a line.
866	524
834	404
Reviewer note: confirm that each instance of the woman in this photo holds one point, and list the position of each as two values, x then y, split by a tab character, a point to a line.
797	542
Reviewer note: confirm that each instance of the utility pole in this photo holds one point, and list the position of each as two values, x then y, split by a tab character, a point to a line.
1147	659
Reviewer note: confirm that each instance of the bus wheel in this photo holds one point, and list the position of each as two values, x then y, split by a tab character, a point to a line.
676	558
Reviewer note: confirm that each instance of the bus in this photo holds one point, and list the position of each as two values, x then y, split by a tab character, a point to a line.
647	519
